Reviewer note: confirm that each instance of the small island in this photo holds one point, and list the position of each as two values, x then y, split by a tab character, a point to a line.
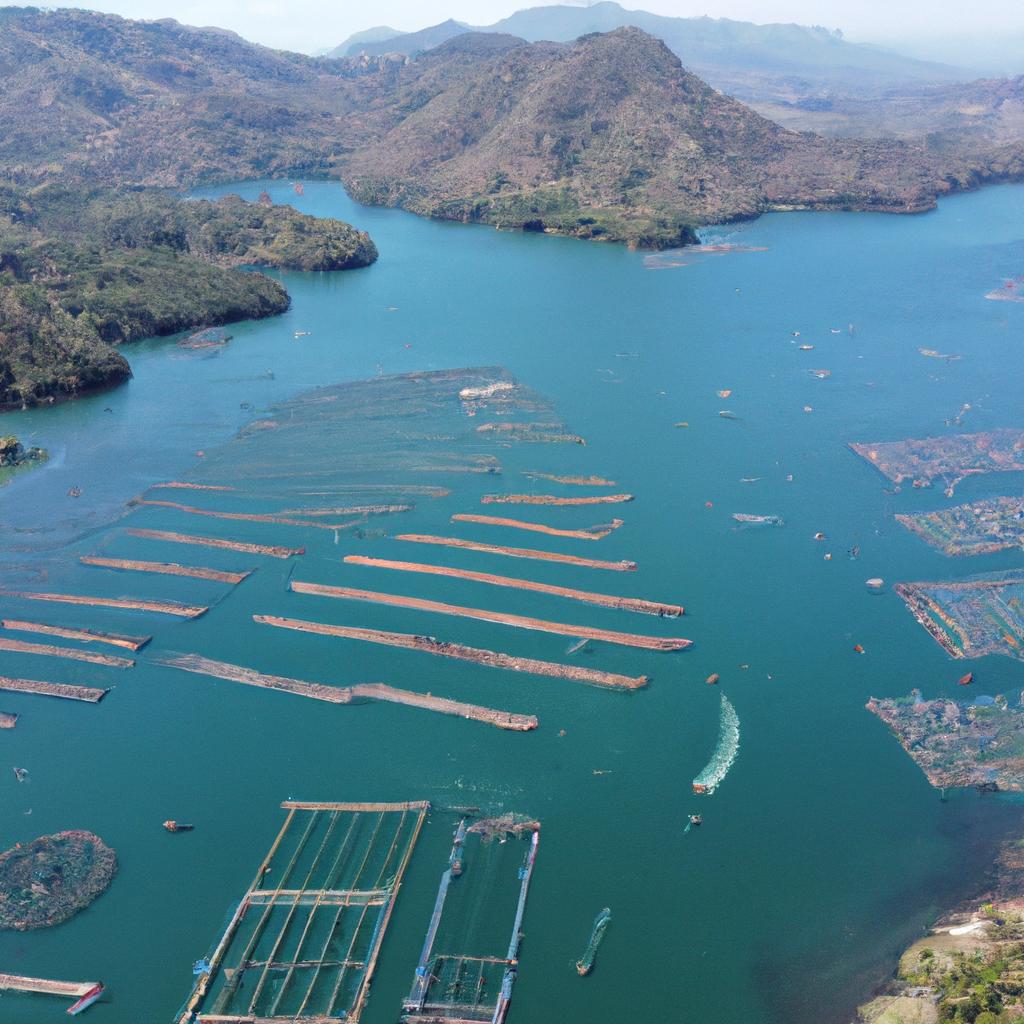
14	456
52	878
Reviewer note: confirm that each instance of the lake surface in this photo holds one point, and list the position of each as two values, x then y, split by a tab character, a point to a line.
822	853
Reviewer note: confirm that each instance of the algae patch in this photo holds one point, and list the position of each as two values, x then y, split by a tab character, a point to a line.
15	456
52	878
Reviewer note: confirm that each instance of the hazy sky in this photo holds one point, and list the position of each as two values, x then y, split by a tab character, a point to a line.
313	24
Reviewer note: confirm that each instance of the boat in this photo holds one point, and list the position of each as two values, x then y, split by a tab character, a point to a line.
699	787
300	189
176	826
86	1001
966	680
696	819
746	517
712	679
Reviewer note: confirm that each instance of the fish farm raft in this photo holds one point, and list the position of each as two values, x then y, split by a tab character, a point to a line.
304	941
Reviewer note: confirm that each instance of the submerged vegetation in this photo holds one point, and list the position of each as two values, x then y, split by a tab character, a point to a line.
82	272
14	455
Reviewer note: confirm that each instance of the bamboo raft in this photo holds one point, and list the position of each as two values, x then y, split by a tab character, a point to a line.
632	604
496	549
347	694
249	517
181	485
63	690
184	611
575	481
167	569
591	533
71	989
131	643
71	653
351	510
216	542
654	643
551	499
490	659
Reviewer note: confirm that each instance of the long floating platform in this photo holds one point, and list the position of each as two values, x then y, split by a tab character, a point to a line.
591	533
71	653
83	693
131	643
490	659
631	604
349	510
217	542
184	611
166	569
574	481
184	486
654	643
550	499
497	549
346	694
248	517
70	989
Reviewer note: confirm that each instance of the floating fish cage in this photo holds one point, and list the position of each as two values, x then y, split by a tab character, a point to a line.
304	940
468	964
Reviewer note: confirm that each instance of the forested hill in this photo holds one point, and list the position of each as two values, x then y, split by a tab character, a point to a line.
84	270
604	137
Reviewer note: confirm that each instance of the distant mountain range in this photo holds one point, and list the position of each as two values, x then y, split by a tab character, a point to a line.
755	63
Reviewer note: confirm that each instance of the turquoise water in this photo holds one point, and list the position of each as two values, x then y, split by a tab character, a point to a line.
822	852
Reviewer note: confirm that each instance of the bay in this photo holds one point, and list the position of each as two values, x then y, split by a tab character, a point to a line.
824	850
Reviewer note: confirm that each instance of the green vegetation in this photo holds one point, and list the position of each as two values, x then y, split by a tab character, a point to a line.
14	456
82	271
53	877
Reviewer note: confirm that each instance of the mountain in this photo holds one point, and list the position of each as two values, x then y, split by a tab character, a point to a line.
980	114
605	137
351	46
755	63
610	137
403	42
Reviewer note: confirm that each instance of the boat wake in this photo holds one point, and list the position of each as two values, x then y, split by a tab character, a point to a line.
725	752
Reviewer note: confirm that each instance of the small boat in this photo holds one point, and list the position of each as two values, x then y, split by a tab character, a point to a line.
696	819
858	648
176	826
300	189
86	1001
712	679
699	787
301	334
966	680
